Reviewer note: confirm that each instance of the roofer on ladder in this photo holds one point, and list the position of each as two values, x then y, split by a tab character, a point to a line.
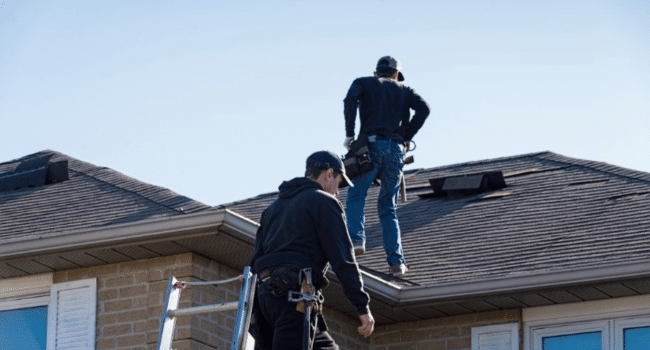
384	112
304	228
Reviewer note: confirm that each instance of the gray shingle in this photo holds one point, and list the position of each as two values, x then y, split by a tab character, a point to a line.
92	197
559	214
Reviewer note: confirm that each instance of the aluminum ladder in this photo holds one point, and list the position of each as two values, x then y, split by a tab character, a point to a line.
244	308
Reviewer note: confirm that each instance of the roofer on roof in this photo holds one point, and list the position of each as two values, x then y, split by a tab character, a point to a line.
384	112
304	228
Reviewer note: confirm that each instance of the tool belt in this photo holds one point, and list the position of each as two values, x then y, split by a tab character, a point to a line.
310	302
357	160
279	280
284	282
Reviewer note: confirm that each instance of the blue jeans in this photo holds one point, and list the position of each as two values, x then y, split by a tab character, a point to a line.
388	160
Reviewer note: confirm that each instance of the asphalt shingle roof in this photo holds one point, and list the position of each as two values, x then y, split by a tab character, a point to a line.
556	214
92	197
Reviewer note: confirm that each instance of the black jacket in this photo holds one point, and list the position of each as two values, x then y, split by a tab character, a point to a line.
384	108
306	226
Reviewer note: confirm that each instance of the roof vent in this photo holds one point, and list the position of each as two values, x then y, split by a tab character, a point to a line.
465	185
57	172
33	173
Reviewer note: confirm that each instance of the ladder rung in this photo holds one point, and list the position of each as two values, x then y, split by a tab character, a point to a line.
242	321
203	309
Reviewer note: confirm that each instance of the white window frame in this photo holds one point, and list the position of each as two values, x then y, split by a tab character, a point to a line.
39	290
611	317
571	329
25	292
621	325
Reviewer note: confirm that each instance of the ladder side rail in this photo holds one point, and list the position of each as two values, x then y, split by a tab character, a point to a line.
243	318
167	322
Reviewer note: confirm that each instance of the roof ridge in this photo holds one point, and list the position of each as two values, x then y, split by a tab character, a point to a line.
29	156
136	192
597	166
85	168
245	200
479	162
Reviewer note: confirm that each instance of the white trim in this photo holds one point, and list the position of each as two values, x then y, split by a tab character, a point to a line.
538	334
71	315
25	287
492	286
25	303
201	223
502	337
588	310
621	325
610	317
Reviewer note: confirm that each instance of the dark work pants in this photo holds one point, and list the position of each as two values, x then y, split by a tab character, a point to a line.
286	331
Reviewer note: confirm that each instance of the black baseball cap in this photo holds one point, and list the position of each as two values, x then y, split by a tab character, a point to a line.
393	63
326	160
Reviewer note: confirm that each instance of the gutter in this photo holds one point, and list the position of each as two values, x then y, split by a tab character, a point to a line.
455	291
394	294
224	221
146	230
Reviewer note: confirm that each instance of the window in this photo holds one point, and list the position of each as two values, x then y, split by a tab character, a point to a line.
36	314
635	334
614	324
580	341
24	329
580	336
23	312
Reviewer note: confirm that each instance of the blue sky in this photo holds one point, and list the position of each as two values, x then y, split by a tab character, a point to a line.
223	100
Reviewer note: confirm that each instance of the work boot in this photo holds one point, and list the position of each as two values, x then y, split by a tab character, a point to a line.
359	247
398	270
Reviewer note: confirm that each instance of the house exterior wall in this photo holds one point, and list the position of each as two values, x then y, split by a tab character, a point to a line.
344	330
447	333
131	297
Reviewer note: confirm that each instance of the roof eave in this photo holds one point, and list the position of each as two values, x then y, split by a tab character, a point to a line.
507	285
145	230
244	229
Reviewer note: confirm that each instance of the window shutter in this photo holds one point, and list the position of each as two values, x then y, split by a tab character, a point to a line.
71	315
498	337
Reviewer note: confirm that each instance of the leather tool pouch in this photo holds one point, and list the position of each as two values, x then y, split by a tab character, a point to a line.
282	280
357	160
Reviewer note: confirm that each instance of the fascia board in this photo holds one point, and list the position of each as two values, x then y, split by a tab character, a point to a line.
244	229
145	230
384	289
240	227
395	294
550	279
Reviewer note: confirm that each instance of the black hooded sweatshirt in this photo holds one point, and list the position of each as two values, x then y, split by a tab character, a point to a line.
306	226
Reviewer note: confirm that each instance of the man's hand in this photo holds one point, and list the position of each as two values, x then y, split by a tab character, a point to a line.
348	142
367	324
